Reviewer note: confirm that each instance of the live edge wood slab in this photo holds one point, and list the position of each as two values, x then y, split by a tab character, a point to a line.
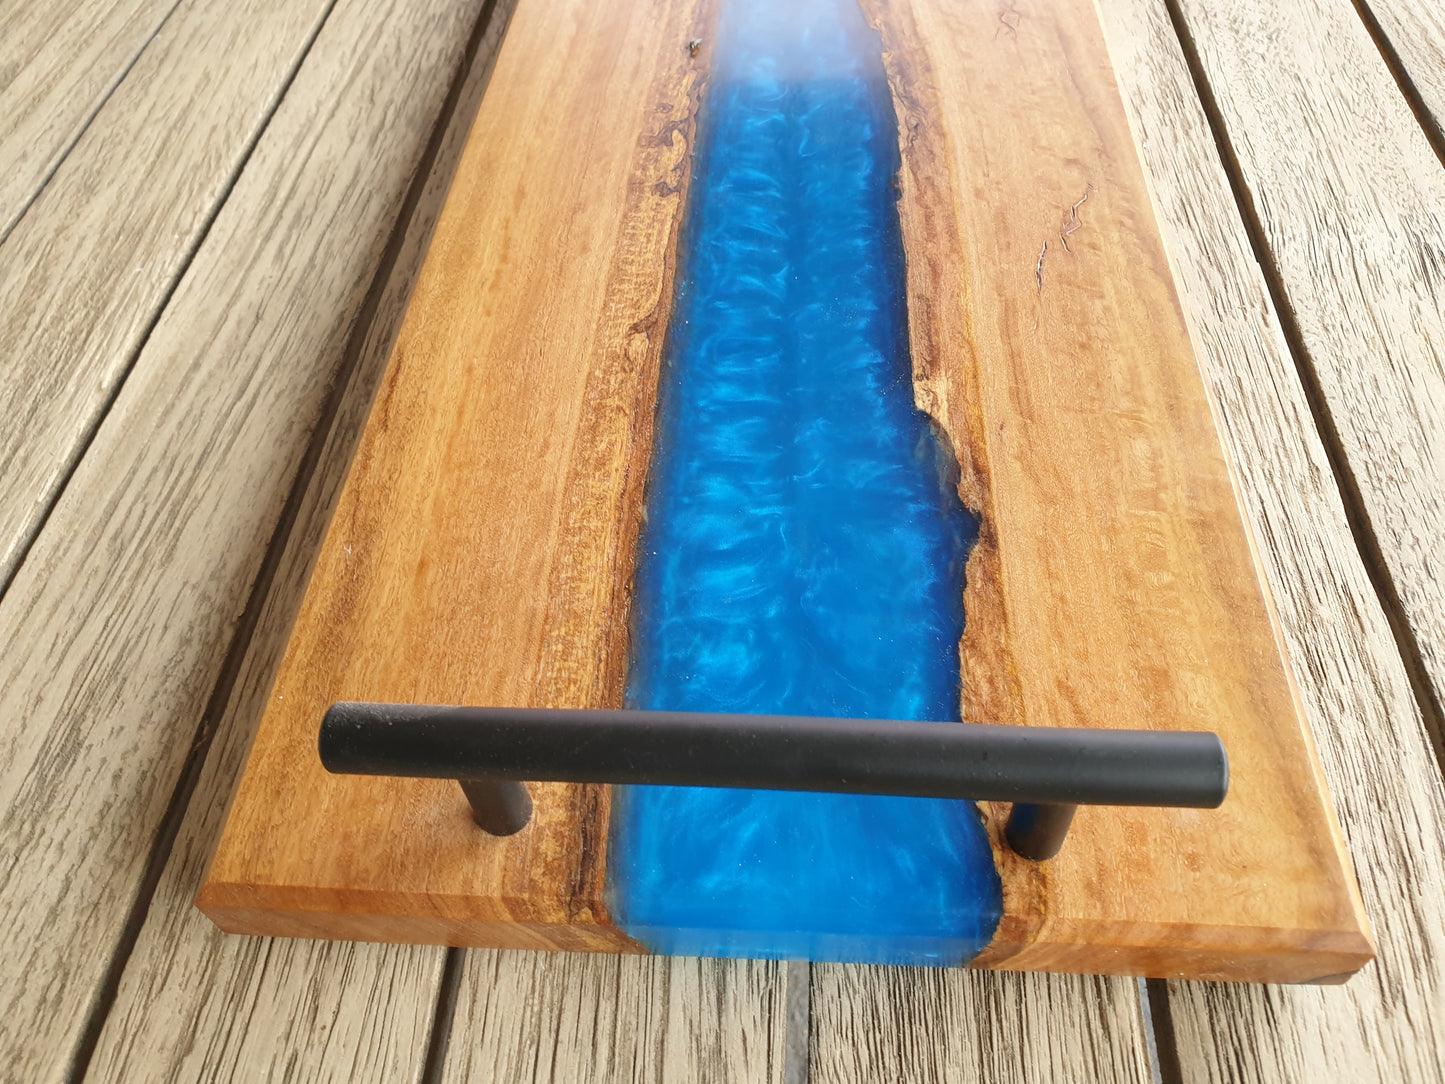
481	552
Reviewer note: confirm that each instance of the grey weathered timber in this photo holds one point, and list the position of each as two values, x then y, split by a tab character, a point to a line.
534	1017
85	272
1350	199
113	633
59	60
933	1024
1387	1023
1414	31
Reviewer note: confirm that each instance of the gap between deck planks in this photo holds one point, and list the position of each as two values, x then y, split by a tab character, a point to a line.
112	634
85	273
59	62
1388	1023
1410	35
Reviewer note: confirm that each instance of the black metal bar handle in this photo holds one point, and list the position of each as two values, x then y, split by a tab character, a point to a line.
1045	771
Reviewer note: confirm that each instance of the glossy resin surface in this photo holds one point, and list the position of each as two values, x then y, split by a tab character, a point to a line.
804	546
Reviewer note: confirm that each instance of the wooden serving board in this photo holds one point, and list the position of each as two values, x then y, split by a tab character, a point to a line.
482	550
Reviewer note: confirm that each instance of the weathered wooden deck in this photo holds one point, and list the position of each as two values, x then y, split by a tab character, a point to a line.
210	216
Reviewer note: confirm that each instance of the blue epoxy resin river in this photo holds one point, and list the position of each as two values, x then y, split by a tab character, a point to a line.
804	546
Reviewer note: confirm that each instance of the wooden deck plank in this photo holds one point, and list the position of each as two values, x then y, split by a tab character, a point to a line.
1414	30
1350	199
197	1004
84	273
115	629
1388	1023
566	1017
926	1024
59	60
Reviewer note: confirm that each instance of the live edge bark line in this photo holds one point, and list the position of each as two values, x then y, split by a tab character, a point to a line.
590	581
938	330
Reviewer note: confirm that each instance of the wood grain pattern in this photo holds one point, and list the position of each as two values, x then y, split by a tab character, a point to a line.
521	378
113	634
84	273
1387	1024
197	1004
565	1017
1114	584
925	1025
481	548
59	60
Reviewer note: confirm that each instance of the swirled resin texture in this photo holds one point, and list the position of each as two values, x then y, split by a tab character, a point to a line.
804	547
